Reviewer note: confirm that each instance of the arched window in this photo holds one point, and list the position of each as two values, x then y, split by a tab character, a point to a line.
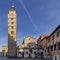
12	18
55	58
12	27
31	50
12	32
59	46
58	33
55	47
12	22
51	48
41	54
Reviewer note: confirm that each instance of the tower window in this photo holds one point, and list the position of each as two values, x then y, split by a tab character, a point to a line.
53	37
48	49
12	27
58	33
12	32
12	22
12	18
51	48
49	40
59	46
55	47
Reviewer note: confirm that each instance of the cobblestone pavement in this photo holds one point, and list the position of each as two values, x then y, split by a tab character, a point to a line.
5	58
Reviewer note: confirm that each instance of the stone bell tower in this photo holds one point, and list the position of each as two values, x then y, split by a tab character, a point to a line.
12	27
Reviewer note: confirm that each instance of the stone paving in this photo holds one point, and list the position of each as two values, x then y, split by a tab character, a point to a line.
5	58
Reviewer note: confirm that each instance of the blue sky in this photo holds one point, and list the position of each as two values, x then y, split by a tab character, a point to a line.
34	17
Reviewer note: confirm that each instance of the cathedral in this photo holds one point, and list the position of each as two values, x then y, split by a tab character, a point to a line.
29	47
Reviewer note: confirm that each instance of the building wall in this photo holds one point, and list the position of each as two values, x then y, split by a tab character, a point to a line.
51	41
44	46
53	44
29	53
43	42
4	50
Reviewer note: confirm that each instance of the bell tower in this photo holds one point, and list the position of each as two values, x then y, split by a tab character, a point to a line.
12	27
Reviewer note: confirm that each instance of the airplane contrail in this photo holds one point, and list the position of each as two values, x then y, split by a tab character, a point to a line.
21	2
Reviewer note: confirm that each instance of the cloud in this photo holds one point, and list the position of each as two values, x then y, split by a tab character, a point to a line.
27	12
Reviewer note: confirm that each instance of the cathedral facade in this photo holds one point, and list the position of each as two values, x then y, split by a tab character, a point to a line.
29	49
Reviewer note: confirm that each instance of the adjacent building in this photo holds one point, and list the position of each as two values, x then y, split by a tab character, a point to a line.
43	42
51	44
4	50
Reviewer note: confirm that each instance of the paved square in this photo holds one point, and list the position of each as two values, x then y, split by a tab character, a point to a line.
5	58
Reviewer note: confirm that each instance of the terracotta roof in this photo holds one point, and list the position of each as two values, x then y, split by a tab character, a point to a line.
44	37
54	31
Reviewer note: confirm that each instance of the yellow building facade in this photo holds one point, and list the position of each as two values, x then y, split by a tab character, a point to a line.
4	50
29	49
